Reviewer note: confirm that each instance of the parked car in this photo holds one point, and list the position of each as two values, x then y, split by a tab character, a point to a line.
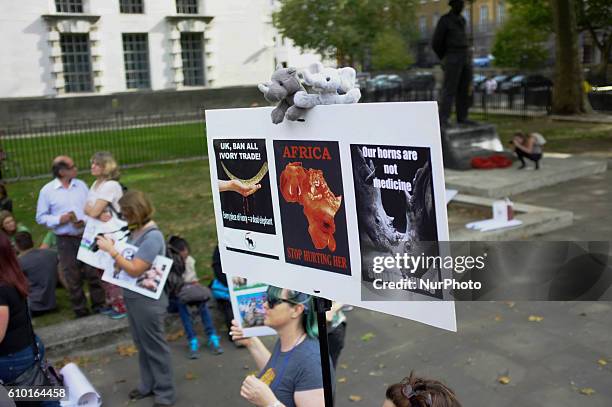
478	80
483	62
362	79
519	81
383	82
420	81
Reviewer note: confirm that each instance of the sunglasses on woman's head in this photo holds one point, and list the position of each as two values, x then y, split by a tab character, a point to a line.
273	302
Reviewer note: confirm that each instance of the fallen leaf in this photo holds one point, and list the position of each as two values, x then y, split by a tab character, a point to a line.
354	397
173	337
587	391
498	318
602	362
368	337
535	318
381	365
504	379
342	380
189	376
126	350
376	373
343	366
510	304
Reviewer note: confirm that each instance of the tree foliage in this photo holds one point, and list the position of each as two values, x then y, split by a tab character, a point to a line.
389	51
520	45
345	29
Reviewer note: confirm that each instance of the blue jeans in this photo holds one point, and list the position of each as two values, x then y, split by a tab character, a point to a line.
14	364
185	315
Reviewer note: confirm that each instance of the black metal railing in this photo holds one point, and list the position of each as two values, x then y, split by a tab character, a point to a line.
28	149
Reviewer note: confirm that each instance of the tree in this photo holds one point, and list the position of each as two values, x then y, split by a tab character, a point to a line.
520	45
594	17
568	96
389	51
344	29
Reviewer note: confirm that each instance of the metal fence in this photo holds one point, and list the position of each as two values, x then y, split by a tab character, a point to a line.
521	101
525	102
28	150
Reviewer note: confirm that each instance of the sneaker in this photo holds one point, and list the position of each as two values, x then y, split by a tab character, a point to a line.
213	344
194	346
104	310
116	315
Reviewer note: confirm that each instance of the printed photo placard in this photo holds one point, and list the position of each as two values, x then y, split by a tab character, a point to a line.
248	300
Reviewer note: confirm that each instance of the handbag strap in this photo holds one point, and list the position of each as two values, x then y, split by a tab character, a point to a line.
34	343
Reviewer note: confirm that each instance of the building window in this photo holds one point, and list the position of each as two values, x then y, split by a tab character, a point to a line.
484	16
501	12
76	60
187	6
131	6
435	18
136	58
423	25
69	6
192	50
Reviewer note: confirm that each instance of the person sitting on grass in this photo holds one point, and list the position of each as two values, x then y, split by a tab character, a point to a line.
291	375
528	146
9	225
415	391
6	204
40	267
184	267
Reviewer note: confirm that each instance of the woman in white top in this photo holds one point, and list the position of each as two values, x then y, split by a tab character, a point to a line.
103	204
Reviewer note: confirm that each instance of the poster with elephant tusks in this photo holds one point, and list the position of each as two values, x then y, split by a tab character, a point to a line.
348	186
243	182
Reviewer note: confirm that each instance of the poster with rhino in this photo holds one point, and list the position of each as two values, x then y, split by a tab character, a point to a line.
396	213
350	185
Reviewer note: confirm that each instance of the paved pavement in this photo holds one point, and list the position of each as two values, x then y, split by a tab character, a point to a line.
548	362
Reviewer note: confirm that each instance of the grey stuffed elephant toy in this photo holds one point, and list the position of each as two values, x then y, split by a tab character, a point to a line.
281	89
328	83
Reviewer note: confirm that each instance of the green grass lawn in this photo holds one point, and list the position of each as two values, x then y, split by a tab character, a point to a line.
561	136
183	201
129	146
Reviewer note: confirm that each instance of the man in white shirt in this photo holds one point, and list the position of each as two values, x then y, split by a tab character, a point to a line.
60	208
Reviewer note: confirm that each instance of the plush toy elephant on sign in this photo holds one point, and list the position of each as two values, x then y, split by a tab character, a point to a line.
281	89
328	83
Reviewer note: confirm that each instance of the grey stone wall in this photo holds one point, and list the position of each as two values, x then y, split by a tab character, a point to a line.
36	111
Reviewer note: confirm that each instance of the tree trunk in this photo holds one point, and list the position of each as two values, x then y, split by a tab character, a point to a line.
568	95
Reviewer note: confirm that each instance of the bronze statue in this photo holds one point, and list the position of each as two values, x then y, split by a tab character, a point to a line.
451	45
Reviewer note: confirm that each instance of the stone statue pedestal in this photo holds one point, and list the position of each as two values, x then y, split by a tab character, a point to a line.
462	143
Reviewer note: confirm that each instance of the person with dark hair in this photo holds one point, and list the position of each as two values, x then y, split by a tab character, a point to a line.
415	391
291	375
184	265
6	204
60	208
10	227
146	315
40	267
528	146
16	339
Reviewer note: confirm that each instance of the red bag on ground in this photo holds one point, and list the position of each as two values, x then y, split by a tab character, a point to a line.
493	161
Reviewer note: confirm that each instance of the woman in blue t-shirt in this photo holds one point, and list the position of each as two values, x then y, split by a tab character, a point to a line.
291	375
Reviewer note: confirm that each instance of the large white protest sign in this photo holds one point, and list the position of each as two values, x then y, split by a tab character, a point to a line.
313	206
115	229
150	283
